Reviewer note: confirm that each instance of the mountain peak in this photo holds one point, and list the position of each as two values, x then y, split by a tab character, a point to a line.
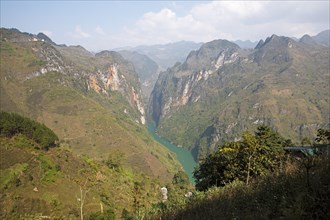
212	49
276	41
306	39
45	38
323	38
260	44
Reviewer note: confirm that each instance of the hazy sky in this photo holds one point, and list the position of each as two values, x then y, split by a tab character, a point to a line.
100	25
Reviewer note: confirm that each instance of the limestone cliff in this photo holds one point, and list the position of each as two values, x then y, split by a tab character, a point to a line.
222	90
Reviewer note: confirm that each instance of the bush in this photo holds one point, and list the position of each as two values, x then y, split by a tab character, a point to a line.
12	124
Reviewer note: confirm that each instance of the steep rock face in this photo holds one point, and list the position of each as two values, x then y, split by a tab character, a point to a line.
182	83
146	68
222	90
106	71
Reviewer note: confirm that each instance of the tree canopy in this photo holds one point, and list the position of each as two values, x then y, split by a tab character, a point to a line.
254	155
12	124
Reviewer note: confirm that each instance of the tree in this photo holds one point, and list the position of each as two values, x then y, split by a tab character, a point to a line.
83	192
305	141
255	155
323	136
272	146
12	124
219	168
249	149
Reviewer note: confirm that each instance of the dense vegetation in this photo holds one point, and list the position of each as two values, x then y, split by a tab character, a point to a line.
12	124
255	178
255	155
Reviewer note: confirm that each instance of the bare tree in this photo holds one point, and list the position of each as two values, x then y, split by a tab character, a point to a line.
83	193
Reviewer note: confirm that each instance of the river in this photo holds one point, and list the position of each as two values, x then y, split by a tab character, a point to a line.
183	155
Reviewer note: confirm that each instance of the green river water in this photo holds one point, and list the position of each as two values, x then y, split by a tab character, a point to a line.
183	155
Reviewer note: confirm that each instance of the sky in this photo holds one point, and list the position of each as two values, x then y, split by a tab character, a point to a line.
100	25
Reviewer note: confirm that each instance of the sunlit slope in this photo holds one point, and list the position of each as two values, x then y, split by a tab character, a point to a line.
37	81
222	90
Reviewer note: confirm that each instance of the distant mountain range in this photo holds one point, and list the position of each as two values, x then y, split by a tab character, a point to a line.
245	43
166	55
221	90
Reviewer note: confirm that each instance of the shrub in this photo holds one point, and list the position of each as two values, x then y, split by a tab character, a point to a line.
12	124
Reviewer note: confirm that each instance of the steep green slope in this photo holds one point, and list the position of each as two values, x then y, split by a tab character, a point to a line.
221	90
35	183
92	102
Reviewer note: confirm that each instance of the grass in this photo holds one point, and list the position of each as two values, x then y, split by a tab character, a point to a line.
85	122
11	175
91	123
49	169
17	59
285	195
58	174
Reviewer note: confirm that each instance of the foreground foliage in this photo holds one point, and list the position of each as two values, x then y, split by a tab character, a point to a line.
285	196
297	189
255	155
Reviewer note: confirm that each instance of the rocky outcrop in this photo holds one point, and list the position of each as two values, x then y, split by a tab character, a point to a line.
222	90
111	80
146	68
103	73
185	80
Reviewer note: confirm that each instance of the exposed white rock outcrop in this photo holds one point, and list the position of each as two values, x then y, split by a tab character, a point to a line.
113	81
220	61
164	193
137	102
